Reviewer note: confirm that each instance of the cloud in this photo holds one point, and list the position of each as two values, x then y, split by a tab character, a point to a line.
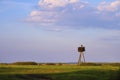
109	6
42	16
76	14
55	3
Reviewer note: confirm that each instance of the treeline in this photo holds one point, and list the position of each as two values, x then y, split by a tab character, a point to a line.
31	63
24	63
82	64
20	63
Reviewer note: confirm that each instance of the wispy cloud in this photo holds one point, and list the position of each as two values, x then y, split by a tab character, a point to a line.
76	14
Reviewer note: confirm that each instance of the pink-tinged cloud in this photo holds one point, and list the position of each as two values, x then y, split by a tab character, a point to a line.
76	14
109	6
55	3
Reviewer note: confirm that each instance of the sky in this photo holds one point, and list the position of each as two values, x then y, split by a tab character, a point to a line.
52	30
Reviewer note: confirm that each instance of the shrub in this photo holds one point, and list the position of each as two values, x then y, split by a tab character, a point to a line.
50	63
59	64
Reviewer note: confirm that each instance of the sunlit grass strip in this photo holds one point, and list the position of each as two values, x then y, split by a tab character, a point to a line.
17	69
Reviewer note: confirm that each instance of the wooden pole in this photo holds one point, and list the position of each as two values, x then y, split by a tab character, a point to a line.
80	58
84	57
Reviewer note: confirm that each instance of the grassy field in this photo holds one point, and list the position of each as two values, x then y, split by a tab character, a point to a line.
58	72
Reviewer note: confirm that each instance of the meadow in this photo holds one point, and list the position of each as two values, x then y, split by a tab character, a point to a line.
59	72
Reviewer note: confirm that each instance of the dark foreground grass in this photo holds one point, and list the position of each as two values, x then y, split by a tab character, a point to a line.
58	72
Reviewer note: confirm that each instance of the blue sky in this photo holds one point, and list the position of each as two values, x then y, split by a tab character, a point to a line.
51	30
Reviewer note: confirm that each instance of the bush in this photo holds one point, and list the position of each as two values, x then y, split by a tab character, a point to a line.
50	64
59	64
24	63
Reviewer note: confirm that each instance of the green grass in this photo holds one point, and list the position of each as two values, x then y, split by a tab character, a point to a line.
57	72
